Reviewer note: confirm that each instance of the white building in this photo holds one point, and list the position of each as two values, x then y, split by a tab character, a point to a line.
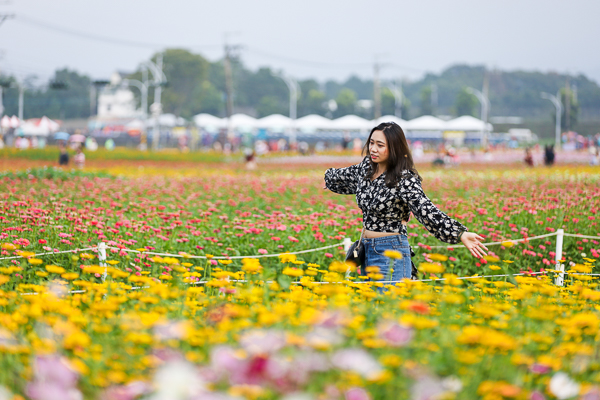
116	100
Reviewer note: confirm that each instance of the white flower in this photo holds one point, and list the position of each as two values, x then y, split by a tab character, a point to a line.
452	384
177	380
562	386
357	360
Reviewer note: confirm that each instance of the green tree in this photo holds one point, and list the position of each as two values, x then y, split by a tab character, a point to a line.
313	102
185	91
271	105
388	102
465	104
426	105
66	96
346	102
574	110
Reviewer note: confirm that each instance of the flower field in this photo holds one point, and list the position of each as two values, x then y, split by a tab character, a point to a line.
203	320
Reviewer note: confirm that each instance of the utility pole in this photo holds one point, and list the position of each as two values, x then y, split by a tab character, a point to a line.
398	97
293	87
556	101
156	108
485	91
567	105
21	95
376	90
485	106
229	53
434	98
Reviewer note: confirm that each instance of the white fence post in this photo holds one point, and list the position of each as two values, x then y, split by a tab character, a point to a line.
347	243
102	258
560	233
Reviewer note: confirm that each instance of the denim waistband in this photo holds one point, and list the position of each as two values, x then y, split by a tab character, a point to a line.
387	239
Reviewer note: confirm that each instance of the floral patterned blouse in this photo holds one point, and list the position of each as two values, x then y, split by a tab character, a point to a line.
385	208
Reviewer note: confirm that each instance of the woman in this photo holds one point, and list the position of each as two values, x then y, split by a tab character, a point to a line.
388	188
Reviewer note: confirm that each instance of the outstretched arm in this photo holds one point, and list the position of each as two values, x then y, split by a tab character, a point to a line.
344	180
435	221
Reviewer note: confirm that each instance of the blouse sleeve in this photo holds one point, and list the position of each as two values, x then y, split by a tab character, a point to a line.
439	224
345	180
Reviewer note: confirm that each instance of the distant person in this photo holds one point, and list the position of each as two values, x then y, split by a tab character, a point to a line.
63	157
549	155
595	159
250	157
79	158
528	157
346	141
110	145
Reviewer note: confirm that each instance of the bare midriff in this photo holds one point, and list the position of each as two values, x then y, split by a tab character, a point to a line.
372	234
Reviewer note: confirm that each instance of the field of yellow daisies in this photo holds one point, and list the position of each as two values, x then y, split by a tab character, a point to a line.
200	297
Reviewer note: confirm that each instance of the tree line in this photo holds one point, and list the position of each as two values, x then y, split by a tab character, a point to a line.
196	85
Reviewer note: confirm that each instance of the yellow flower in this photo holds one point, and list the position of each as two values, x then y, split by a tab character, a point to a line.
494	267
438	257
42	274
507	261
286	257
393	254
431	268
34	261
508	244
8	246
452	279
489	258
70	276
225	262
293	271
187	264
4	279
112	262
55	269
87	256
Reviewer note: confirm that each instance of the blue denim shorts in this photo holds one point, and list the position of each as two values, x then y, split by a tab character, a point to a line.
374	249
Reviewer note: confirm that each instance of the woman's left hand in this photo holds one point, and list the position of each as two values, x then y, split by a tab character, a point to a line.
472	242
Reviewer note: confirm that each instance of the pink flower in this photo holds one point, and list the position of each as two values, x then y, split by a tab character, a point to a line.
328	255
539	368
214	262
275	238
356	394
395	335
262	251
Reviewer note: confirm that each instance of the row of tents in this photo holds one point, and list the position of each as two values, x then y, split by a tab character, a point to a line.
276	124
314	123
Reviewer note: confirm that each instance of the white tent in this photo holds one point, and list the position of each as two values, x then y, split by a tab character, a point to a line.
210	123
467	123
8	122
313	122
351	123
389	118
169	120
242	122
39	126
425	123
275	123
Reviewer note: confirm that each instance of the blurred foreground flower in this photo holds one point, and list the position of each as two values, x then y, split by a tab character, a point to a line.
562	386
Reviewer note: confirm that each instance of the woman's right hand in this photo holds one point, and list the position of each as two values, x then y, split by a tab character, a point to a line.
472	242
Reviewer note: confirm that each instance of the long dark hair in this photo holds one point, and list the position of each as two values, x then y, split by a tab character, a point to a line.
399	156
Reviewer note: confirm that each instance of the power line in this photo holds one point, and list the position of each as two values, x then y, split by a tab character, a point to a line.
99	38
316	64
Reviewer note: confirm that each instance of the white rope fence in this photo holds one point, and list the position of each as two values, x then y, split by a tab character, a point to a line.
101	249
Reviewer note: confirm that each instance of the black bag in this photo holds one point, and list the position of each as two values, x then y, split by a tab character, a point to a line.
356	253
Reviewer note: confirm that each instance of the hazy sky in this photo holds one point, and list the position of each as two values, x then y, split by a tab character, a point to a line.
306	38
